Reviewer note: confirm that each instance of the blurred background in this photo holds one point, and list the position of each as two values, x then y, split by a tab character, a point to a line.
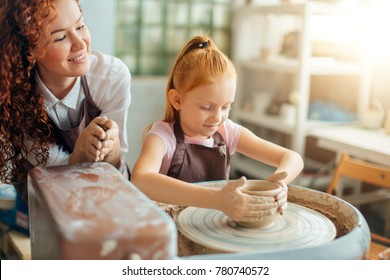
313	75
148	34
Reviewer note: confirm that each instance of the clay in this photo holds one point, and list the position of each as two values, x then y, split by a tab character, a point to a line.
90	211
264	189
352	229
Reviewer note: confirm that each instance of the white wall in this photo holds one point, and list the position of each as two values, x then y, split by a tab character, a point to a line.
148	94
147	106
100	17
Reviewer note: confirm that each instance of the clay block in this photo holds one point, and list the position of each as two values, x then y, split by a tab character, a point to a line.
90	211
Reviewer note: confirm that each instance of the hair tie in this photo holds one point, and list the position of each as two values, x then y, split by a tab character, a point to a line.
203	45
193	46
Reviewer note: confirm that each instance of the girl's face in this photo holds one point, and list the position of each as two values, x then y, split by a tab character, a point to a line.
204	109
66	50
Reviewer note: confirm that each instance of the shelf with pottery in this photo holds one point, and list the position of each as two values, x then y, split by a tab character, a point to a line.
293	72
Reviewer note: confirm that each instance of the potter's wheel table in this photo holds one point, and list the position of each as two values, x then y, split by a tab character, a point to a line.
299	227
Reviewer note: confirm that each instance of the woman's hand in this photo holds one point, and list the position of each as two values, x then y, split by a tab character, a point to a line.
243	207
99	141
88	144
110	145
281	198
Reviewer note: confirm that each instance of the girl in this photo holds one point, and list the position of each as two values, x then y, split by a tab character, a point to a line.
60	102
195	140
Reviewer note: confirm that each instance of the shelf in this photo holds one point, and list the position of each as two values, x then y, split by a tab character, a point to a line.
277	123
280	75
267	121
317	66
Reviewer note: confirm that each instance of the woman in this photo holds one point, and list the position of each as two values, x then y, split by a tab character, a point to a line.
60	102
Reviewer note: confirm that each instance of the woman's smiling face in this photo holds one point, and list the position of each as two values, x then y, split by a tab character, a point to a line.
65	46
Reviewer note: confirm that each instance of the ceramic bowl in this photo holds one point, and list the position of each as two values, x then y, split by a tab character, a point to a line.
260	188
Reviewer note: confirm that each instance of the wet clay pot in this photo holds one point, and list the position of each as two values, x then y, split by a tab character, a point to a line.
264	189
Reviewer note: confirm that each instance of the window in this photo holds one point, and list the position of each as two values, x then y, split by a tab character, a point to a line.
150	33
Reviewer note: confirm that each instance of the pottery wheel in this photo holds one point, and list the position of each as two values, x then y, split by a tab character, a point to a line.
299	227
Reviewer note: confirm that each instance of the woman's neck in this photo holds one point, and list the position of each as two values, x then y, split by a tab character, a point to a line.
59	87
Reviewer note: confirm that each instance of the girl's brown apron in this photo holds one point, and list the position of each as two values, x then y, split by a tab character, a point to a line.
196	163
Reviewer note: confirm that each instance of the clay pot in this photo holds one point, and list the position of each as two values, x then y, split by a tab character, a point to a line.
265	189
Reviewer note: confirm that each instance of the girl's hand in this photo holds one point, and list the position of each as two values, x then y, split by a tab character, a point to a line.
243	207
281	198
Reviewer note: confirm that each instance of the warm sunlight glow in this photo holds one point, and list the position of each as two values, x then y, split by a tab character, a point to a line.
377	17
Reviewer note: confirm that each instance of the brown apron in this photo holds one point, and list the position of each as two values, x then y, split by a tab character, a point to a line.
196	163
68	137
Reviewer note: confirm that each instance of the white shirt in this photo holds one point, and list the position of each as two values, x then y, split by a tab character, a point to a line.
109	85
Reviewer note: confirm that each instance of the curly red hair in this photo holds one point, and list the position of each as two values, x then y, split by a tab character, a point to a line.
22	112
